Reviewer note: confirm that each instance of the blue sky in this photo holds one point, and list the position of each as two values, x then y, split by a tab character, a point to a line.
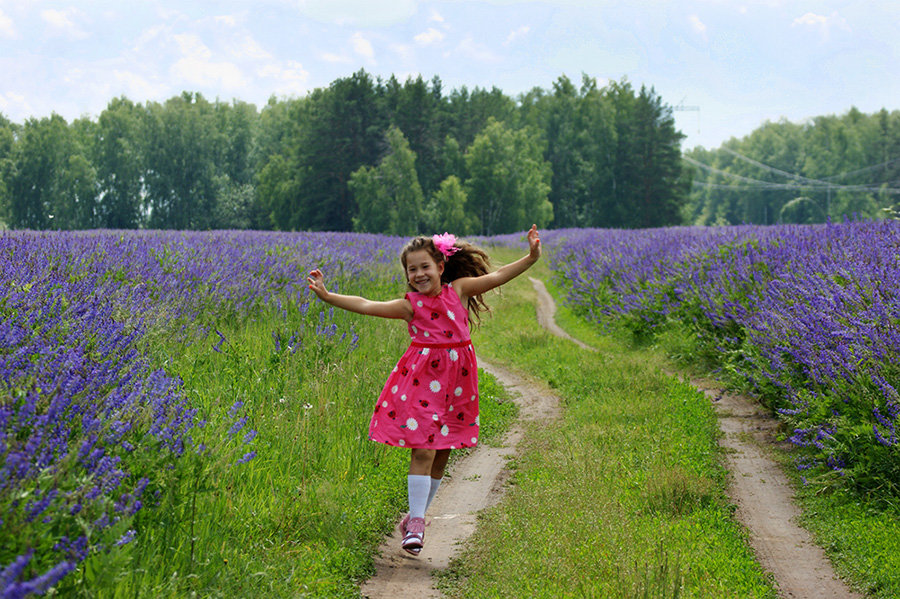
741	62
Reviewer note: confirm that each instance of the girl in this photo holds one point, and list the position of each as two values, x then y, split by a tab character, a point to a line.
430	400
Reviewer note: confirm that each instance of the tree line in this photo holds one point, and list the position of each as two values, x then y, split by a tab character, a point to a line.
363	154
830	167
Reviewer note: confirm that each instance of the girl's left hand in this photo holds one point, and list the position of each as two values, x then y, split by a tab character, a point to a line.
534	243
316	282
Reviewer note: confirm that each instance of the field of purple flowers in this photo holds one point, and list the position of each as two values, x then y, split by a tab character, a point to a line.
90	422
805	317
107	441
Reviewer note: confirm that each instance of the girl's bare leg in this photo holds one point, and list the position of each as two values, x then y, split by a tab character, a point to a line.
429	462
439	463
421	461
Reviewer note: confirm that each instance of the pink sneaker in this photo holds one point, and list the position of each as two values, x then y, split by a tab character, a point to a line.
413	534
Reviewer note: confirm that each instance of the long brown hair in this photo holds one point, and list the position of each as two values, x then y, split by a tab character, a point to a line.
468	261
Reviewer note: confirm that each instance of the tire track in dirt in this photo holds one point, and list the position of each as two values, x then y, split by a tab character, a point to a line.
760	490
472	484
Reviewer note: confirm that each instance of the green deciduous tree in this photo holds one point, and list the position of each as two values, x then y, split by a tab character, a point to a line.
181	144
448	209
509	180
7	146
118	163
388	196
52	184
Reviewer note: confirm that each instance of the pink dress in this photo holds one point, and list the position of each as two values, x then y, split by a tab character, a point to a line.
430	400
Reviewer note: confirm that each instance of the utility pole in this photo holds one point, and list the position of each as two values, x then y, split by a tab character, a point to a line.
682	107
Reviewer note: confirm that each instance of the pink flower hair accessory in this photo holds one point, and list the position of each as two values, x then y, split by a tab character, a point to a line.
445	244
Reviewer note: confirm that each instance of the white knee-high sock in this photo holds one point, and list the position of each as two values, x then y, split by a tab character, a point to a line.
435	483
418	486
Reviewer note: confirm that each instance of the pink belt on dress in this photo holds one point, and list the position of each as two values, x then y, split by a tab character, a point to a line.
441	345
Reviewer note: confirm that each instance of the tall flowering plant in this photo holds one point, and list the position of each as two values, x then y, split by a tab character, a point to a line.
90	422
805	316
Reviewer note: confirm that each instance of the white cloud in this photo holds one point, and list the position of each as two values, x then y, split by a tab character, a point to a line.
517	33
250	48
61	22
362	46
148	36
197	67
698	26
430	36
824	24
475	51
436	16
199	72
137	86
404	51
192	46
811	19
13	102
335	58
7	28
290	78
371	13
227	20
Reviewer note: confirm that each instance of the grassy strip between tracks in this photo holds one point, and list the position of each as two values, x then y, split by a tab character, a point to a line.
623	496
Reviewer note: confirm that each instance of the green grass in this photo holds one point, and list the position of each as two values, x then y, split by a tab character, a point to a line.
305	516
861	537
623	496
860	533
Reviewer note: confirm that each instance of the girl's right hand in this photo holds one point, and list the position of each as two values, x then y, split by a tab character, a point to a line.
316	281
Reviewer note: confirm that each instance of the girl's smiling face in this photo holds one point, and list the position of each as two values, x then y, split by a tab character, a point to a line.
422	273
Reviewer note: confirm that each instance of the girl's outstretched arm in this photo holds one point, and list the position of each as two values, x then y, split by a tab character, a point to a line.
398	308
470	286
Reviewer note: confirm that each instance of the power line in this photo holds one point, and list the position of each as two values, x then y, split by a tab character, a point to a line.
861	170
772	169
805	182
784	186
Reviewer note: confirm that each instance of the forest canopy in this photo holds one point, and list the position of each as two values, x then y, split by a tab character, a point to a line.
363	154
373	155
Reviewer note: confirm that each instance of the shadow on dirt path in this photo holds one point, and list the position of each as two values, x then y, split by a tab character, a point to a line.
759	489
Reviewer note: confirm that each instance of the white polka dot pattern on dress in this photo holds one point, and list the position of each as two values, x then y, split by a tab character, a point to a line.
423	404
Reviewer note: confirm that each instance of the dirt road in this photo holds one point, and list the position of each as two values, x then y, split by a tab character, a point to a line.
759	489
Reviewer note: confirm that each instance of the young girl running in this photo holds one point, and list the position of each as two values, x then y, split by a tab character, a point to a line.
430	400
